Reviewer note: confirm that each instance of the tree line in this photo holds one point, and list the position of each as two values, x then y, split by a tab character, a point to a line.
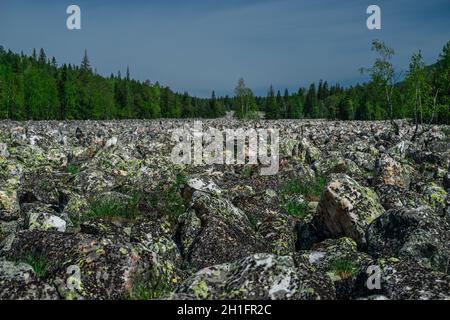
36	88
423	94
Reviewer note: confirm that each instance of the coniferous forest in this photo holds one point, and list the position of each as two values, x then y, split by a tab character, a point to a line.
36	87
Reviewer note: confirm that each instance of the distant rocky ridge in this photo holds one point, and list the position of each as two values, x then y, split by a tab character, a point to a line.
97	210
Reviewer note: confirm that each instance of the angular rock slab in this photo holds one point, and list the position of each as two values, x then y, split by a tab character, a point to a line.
413	234
19	282
105	269
257	277
214	231
346	209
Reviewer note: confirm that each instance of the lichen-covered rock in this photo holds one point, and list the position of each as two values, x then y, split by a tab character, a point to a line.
189	228
446	181
117	230
45	222
412	234
309	152
447	207
340	260
435	195
224	236
278	231
105	269
395	197
257	277
364	160
18	281
406	280
43	217
4	150
7	228
200	184
83	173
390	171
75	209
154	239
421	156
9	207
41	185
346	209
332	165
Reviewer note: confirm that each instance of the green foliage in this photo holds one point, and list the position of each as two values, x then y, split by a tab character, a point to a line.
245	100
297	186
167	198
272	108
295	208
35	88
344	268
149	286
311	191
114	208
72	169
172	198
247	172
252	115
39	264
180	181
253	221
31	87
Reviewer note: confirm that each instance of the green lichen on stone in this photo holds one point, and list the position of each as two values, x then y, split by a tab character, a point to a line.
201	290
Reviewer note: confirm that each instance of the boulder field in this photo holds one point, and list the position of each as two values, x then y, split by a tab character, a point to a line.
97	210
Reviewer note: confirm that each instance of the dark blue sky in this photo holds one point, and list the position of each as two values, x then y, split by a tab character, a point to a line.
201	45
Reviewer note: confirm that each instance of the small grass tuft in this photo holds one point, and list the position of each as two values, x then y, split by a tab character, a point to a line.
296	209
253	221
113	208
247	172
313	189
149	287
310	191
72	169
173	202
344	268
38	263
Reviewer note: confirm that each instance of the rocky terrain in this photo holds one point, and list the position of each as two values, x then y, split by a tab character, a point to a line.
97	210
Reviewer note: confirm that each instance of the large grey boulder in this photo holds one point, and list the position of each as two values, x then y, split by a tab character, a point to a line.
412	234
405	280
390	171
18	281
346	209
257	277
214	231
105	269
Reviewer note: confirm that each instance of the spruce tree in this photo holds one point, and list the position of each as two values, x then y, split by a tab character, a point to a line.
311	100
85	64
42	57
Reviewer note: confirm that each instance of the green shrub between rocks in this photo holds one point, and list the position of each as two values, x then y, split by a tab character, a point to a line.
344	268
39	264
253	221
296	209
149	286
114	208
168	198
311	191
72	169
